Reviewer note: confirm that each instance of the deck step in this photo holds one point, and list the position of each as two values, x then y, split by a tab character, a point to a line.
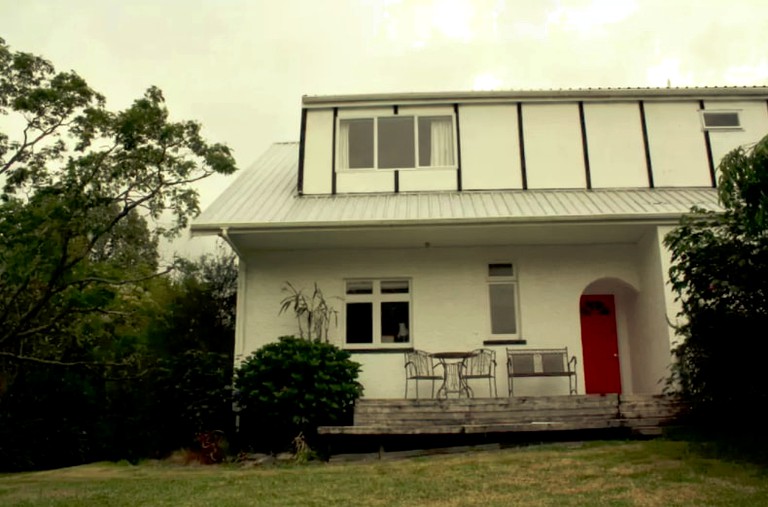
645	414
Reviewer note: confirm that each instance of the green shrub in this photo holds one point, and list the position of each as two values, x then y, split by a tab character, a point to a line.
293	386
719	273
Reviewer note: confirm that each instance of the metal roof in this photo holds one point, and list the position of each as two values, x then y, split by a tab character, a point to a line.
569	94
264	197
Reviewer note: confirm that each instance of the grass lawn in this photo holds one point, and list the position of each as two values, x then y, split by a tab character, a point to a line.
648	473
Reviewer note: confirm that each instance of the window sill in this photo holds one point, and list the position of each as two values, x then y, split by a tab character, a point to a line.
383	350
505	342
723	129
371	170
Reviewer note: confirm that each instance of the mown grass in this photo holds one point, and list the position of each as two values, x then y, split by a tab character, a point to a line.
637	473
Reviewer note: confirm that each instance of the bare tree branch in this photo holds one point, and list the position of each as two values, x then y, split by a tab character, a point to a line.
38	360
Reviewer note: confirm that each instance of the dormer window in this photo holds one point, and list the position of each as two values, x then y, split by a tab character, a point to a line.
720	120
396	142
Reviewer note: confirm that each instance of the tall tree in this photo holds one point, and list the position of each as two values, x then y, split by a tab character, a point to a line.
80	184
720	275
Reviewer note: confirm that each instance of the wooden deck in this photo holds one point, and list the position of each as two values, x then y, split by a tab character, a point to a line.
640	414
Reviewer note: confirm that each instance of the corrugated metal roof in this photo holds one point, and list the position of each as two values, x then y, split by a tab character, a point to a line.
264	197
569	94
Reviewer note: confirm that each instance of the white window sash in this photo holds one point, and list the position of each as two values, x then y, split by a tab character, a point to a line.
442	140
343	145
504	280
376	299
441	133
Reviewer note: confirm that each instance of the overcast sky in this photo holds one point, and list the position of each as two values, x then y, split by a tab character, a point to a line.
240	67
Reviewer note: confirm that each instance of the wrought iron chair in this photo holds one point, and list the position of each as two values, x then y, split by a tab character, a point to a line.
481	365
419	366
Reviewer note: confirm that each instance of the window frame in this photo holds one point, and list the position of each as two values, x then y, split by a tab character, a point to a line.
376	298
707	128
404	112
503	280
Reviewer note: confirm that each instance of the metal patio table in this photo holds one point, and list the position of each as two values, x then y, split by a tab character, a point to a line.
453	377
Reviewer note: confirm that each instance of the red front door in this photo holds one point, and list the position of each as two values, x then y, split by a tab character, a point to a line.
600	344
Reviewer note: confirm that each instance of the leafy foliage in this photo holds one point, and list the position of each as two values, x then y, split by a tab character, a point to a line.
92	360
743	186
80	186
51	417
720	275
291	387
182	343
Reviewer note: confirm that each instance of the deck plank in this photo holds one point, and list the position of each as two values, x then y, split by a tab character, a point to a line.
642	413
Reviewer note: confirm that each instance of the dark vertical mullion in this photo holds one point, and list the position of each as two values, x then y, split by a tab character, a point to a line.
521	140
585	148
458	148
396	111
333	152
710	160
646	144
302	143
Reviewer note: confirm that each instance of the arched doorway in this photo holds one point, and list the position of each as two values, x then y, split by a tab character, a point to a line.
605	310
600	344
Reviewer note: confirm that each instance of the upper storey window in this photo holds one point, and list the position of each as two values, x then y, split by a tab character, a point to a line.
720	120
396	142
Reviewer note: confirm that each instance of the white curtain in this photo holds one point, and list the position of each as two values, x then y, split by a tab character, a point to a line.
441	133
343	145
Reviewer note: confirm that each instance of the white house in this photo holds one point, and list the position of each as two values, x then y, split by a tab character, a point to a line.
456	221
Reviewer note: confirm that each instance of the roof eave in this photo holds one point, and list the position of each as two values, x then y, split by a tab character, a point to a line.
241	228
607	94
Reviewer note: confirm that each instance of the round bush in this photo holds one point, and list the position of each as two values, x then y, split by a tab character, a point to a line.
293	386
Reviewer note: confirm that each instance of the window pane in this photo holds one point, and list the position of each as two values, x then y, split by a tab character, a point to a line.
360	142
500	270
394	322
435	141
721	119
396	142
503	319
359	322
394	287
360	287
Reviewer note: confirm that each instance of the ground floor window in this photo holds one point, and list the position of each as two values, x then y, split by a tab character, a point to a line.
502	294
378	312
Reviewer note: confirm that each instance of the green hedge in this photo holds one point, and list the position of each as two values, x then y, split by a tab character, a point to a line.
293	386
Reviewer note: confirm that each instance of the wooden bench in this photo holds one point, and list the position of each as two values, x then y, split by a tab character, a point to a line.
526	363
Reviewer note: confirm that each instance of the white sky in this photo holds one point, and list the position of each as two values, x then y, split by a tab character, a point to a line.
240	67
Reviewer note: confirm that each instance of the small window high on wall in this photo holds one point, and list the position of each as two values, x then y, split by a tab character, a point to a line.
503	300
396	142
720	120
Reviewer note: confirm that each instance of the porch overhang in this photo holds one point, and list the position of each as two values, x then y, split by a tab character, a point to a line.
436	234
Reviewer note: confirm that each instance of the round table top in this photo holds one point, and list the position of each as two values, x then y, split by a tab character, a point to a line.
453	355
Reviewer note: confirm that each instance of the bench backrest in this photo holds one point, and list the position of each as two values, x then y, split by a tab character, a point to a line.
538	361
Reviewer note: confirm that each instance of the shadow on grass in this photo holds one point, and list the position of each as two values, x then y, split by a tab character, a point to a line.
735	444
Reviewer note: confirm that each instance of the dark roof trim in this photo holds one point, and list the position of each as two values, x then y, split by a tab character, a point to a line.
608	94
302	145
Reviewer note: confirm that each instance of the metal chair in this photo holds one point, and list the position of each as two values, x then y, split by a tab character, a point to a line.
419	366
482	365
